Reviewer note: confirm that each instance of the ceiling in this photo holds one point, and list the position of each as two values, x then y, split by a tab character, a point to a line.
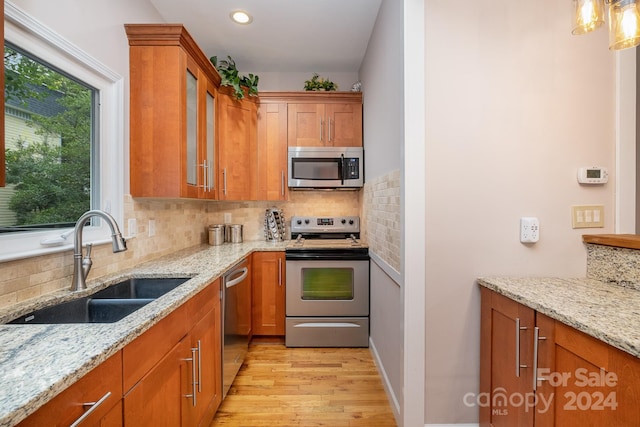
285	35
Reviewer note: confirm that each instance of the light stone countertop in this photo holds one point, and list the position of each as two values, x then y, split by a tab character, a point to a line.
39	361
606	311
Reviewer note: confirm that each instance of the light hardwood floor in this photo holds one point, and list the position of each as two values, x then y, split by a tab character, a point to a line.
282	387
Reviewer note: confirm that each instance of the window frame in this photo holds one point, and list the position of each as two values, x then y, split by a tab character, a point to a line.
31	35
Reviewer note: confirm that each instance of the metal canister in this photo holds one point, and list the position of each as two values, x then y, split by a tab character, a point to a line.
233	233
216	234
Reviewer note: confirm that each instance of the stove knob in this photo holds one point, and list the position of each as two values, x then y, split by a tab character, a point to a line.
350	222
306	221
299	222
344	221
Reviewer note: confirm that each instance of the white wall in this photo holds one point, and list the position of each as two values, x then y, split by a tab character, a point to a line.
272	81
515	105
382	83
381	74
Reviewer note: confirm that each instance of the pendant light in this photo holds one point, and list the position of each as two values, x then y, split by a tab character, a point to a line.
624	24
623	16
588	15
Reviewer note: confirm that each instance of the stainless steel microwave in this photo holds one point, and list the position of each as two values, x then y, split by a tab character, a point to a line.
326	167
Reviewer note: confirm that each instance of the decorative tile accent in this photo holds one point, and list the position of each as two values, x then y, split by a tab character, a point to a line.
381	217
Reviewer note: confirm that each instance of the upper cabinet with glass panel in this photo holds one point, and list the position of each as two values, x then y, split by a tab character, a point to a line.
172	110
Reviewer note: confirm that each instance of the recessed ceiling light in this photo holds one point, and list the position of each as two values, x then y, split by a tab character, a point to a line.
241	17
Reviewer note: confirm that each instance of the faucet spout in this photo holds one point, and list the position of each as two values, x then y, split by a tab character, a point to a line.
81	267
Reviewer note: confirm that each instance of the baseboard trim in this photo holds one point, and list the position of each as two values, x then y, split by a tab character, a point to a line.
395	405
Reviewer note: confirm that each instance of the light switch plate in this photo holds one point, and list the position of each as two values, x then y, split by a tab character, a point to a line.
587	216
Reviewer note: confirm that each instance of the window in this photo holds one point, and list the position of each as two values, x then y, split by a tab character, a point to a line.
93	143
49	146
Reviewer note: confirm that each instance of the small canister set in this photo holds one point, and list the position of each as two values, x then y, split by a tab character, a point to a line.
274	225
221	233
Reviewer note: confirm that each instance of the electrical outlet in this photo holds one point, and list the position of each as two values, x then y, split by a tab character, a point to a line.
132	226
529	229
227	218
152	227
587	216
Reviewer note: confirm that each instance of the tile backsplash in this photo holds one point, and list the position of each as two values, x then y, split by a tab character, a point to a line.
179	224
381	217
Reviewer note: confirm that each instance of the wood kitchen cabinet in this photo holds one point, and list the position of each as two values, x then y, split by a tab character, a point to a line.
268	283
172	114
100	391
505	359
581	381
331	119
238	154
272	150
205	336
172	372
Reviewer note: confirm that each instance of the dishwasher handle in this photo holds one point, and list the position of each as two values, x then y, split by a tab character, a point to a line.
244	272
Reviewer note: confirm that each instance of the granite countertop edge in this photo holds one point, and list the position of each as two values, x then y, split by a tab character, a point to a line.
606	311
53	357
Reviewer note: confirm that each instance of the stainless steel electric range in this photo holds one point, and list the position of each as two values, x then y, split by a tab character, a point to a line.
327	283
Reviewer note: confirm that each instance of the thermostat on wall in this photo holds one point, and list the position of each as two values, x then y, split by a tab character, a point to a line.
593	175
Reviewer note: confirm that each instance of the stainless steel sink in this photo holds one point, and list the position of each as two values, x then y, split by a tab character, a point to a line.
140	288
106	306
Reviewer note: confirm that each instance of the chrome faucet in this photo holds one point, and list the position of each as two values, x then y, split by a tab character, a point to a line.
82	266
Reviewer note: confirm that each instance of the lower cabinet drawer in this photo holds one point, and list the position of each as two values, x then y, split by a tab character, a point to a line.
327	332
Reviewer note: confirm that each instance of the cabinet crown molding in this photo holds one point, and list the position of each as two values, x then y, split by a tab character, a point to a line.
310	97
171	35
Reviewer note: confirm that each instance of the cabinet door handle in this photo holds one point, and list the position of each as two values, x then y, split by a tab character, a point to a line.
282	183
321	125
204	176
329	129
518	330
93	406
279	271
536	339
224	178
199	367
207	174
192	359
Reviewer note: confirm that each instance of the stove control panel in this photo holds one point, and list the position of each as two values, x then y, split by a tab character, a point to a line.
325	224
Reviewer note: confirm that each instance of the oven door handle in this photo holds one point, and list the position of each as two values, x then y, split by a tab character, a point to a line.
327	325
244	272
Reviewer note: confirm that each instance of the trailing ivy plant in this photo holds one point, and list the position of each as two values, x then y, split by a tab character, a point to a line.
317	83
231	77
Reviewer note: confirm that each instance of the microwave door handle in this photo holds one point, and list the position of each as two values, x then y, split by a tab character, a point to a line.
342	170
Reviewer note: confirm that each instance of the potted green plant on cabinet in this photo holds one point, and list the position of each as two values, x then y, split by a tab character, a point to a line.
231	77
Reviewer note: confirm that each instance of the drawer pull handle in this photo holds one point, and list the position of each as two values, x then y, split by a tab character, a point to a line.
92	407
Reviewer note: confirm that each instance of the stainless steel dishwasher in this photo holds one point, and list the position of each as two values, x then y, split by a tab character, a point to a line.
236	321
